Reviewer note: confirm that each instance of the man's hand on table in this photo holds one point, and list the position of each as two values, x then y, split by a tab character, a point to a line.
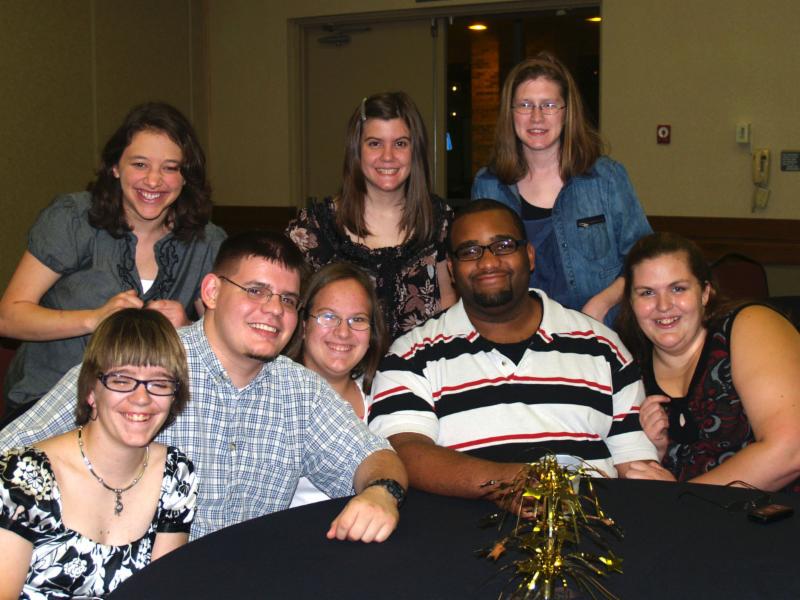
371	516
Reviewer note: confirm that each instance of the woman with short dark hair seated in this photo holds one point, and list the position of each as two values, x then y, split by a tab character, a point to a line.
82	511
722	379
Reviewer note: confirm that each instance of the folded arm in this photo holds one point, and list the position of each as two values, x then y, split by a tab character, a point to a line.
16	563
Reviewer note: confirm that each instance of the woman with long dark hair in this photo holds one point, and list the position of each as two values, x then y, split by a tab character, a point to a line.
386	219
140	236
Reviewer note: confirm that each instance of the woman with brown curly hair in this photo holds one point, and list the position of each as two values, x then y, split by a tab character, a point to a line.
722	383
140	236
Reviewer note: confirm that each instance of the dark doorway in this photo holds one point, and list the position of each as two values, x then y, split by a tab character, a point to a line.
478	61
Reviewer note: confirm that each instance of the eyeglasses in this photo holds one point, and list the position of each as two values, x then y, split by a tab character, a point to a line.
498	248
329	320
263	294
122	383
548	108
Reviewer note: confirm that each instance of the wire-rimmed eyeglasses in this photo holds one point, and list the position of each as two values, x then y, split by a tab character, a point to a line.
525	107
330	320
263	294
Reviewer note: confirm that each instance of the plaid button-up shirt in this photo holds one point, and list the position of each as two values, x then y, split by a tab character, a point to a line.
249	445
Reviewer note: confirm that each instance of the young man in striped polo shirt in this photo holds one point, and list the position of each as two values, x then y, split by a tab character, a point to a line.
505	374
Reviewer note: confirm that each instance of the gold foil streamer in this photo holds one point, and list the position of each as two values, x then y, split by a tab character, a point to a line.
550	524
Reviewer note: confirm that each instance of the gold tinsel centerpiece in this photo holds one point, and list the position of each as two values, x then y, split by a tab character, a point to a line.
552	519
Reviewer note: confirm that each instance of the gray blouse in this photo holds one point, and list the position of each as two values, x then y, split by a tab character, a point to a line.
95	266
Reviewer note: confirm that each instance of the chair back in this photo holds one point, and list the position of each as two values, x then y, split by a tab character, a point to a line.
740	277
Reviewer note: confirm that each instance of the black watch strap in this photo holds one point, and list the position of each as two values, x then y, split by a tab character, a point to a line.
394	488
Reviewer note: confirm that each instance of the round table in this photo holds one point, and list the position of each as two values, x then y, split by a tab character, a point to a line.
675	546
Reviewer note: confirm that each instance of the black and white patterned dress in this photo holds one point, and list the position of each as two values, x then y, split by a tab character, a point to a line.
65	563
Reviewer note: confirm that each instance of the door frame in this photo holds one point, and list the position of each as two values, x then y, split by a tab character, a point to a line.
299	29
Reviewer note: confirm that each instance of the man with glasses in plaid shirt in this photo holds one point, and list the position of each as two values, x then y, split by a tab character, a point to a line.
256	421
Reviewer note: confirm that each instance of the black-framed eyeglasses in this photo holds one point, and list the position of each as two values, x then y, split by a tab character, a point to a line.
125	384
330	320
263	294
526	107
498	248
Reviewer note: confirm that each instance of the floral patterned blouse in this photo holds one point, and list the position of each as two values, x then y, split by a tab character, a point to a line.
404	276
65	563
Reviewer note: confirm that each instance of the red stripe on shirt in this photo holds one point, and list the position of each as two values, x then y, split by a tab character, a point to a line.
389	392
481	382
525	436
431	341
621	416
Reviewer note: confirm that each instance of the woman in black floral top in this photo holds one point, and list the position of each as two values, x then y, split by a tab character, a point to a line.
81	512
385	219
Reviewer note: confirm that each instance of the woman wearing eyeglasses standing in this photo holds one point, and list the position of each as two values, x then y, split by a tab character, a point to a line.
385	219
82	511
579	207
342	337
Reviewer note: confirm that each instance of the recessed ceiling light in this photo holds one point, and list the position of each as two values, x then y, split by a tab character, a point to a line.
594	19
478	27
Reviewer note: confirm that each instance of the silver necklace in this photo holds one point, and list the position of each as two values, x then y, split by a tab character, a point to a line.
118	506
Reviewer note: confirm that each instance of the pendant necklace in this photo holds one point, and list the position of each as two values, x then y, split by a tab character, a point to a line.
118	506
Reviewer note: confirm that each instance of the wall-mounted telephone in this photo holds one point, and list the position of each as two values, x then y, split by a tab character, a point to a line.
761	166
760	178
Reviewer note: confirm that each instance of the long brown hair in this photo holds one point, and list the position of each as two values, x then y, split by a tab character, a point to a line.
418	220
581	144
378	335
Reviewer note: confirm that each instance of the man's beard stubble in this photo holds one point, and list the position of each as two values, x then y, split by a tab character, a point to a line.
500	298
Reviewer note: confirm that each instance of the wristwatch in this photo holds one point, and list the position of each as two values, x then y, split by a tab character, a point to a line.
394	488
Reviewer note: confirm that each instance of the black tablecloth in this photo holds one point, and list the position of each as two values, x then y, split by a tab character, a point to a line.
674	547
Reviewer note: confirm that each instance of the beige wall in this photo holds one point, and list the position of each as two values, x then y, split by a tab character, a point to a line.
702	67
71	69
699	66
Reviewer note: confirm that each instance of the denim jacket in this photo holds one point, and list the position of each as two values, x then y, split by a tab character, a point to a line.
596	218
